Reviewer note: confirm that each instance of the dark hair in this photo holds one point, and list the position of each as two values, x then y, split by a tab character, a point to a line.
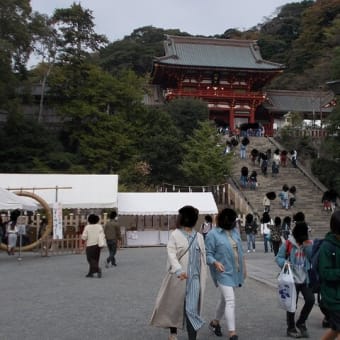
300	232
335	222
226	219
287	220
113	214
208	218
249	218
299	217
277	220
187	216
265	218
14	215
93	219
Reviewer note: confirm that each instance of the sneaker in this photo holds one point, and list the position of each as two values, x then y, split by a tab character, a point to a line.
89	275
303	330
215	328
293	333
248	251
253	250
107	264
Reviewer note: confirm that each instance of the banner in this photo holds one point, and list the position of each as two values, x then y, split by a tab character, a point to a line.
57	221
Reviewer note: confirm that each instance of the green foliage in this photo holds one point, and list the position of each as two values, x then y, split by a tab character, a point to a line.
26	146
159	144
136	51
186	114
15	35
278	34
76	33
328	172
204	162
303	145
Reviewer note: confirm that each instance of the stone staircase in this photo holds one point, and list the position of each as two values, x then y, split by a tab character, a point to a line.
308	195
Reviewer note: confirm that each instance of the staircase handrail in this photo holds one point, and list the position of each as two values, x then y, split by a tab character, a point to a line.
233	183
304	171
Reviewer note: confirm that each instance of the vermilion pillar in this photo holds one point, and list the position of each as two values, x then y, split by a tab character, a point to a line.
252	115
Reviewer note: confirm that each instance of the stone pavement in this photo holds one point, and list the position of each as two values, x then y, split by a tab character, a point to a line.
50	298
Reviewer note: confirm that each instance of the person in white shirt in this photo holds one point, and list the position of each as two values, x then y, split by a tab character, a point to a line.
92	234
266	221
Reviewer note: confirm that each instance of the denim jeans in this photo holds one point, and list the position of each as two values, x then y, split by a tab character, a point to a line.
266	240
112	246
309	298
251	241
285	203
243	153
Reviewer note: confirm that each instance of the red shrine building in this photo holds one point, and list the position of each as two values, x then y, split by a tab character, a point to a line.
228	74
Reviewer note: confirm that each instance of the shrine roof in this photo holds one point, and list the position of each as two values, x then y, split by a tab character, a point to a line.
299	101
217	53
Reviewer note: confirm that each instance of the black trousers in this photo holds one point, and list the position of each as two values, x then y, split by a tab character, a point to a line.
92	256
192	334
309	298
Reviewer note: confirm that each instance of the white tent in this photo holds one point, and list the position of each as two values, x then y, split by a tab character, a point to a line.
72	191
11	201
160	203
164	203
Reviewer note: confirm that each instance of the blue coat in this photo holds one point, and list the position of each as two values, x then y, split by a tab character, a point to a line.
218	248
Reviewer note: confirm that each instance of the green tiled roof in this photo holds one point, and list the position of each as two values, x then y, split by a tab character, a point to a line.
298	101
217	53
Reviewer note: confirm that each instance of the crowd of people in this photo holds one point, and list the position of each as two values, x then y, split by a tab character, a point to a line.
219	246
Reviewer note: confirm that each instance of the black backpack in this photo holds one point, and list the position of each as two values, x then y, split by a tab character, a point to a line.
314	276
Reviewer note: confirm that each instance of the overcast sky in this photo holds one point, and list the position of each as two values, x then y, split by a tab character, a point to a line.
116	18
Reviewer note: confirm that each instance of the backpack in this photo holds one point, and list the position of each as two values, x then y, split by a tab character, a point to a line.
313	273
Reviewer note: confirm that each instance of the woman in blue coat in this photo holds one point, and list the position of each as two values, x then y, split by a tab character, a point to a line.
227	268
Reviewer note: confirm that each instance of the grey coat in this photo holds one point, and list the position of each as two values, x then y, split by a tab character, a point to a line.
169	306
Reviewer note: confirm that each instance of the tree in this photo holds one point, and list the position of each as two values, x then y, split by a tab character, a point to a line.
186	114
136	51
15	35
158	143
76	35
204	162
15	40
26	146
45	46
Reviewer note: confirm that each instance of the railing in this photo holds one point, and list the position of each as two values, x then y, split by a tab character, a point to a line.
305	172
315	133
71	244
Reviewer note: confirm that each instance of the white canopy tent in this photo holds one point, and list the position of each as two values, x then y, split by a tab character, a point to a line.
164	203
72	191
11	201
160	203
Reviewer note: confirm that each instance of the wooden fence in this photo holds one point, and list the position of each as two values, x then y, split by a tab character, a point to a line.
71	244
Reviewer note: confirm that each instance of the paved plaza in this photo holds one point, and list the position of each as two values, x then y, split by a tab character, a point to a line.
49	298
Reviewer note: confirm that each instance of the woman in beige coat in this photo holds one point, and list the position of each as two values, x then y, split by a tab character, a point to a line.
180	297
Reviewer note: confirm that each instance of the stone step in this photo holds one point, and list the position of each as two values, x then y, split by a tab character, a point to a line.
308	195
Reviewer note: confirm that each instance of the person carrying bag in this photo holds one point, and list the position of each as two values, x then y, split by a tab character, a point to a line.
294	258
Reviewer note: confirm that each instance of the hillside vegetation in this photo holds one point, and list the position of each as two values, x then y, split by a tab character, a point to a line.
96	88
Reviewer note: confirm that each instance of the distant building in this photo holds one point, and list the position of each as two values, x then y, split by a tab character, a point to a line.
231	76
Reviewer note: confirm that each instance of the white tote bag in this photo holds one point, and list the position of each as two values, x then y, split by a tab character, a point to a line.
286	289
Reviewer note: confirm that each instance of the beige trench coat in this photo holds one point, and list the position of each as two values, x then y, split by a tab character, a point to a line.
169	306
